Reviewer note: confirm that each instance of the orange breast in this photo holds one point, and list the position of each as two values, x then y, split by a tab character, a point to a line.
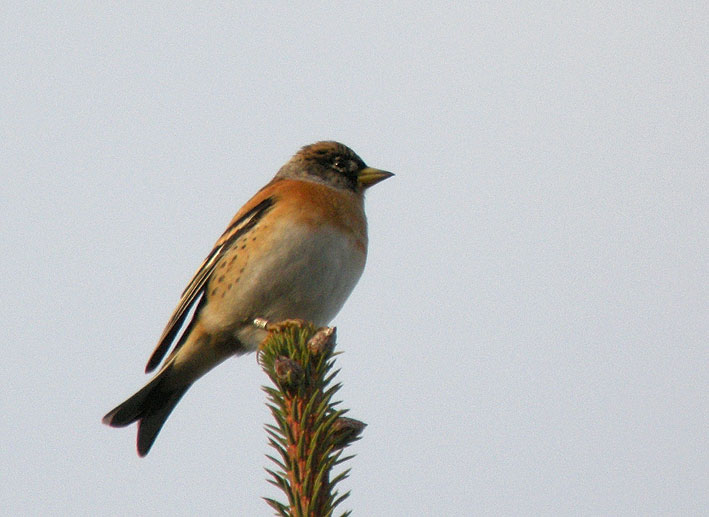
317	205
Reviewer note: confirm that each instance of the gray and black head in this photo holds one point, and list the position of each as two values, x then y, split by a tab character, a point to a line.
333	164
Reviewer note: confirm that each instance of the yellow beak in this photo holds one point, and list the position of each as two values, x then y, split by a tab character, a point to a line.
370	176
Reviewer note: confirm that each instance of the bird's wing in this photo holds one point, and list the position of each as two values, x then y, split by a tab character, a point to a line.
246	219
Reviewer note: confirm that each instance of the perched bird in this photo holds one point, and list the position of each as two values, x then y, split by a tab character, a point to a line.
294	251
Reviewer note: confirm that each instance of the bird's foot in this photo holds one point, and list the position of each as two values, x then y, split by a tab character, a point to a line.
278	326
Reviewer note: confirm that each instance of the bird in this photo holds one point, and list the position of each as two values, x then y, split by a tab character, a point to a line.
295	250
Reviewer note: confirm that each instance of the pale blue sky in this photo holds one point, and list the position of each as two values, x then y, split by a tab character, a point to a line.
530	333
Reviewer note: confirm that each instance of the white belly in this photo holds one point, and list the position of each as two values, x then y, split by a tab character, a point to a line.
306	274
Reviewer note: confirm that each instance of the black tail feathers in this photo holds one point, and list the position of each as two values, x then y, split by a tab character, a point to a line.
150	407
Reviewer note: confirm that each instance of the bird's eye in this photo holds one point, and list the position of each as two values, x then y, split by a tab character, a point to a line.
339	163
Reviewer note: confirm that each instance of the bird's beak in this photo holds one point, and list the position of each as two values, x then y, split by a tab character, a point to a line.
370	176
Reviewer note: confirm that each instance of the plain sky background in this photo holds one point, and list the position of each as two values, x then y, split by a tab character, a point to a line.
530	335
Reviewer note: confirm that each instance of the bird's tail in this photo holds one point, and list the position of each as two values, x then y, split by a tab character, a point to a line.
150	407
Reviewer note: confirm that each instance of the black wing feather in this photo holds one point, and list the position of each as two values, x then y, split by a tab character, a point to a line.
195	288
